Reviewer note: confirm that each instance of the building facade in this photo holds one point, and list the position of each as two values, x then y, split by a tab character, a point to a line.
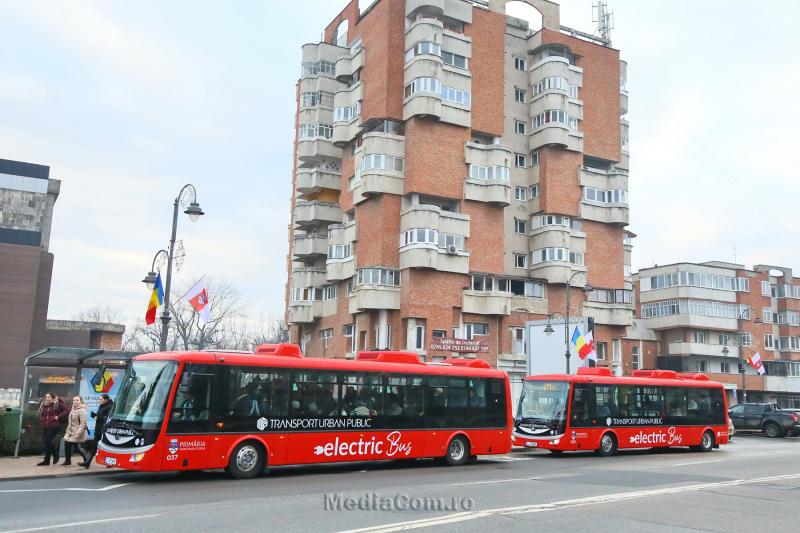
454	171
710	317
27	197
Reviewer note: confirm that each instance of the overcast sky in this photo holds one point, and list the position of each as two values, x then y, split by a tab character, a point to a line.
128	101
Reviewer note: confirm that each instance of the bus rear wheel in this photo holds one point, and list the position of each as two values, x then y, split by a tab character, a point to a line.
706	442
608	445
246	461
457	451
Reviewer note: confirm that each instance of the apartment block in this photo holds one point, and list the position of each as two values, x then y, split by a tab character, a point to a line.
710	317
27	197
455	168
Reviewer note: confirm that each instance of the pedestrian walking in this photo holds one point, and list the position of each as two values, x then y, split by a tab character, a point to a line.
102	414
50	413
77	432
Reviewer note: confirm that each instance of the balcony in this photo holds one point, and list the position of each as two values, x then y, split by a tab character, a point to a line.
611	314
454	9
348	64
313	180
432	216
685	320
317	149
613	179
555	271
313	213
529	304
431	256
308	277
309	246
340	269
486	303
557	134
489	191
697	348
623	103
342	233
367	297
301	312
608	213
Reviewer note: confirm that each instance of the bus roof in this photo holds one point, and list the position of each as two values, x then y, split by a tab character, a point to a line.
445	368
652	378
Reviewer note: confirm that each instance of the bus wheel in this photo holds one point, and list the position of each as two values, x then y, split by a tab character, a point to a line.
246	461
457	451
608	445
706	442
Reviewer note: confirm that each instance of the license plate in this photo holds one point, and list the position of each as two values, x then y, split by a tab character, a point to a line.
111	461
531	444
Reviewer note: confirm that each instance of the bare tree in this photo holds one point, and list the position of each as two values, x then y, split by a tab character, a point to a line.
226	308
100	313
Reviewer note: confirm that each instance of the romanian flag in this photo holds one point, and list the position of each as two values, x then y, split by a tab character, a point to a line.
156	299
584	345
755	362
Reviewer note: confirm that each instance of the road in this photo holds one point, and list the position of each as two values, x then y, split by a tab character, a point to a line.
752	484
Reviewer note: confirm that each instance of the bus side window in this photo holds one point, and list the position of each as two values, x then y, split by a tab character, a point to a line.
580	405
191	408
496	403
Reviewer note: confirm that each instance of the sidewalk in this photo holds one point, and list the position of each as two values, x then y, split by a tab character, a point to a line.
25	468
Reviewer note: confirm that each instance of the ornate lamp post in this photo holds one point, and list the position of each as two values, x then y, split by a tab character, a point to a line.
738	339
187	198
548	330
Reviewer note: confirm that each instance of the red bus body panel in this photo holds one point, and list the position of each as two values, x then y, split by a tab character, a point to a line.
212	450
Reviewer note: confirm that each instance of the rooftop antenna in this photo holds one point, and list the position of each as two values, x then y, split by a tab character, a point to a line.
604	19
734	251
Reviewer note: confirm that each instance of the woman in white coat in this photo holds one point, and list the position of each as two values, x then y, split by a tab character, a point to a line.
76	432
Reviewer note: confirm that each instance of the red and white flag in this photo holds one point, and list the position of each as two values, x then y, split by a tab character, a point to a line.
755	362
198	299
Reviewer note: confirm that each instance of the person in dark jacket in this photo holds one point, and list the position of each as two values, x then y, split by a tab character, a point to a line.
51	411
101	416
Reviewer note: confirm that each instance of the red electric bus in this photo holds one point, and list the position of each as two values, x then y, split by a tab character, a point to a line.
594	410
245	411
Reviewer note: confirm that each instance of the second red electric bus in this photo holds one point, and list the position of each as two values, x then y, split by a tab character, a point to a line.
594	410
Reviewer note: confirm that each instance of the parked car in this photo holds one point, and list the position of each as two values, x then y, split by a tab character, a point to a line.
731	428
766	417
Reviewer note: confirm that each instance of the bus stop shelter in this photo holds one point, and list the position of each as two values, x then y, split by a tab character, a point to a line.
67	372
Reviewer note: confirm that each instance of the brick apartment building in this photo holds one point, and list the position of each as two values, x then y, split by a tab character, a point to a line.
709	317
454	170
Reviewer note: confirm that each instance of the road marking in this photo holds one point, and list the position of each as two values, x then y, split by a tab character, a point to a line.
77	489
699	462
85	523
493	481
505	458
564	504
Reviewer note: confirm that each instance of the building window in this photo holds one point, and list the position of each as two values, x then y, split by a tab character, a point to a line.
319	68
725	368
519	226
519	63
329	292
428	85
382	162
765	289
577	258
439	334
618	196
702	366
423	48
549	254
768	341
326	333
339	251
346	114
419	337
540	221
521	260
747	339
520	193
534	158
518	341
480	172
457	96
378	276
349	332
534	191
519	127
601	350
312	131
419	236
454	60
766	314
700	337
317	98
619	296
519	95
635	364
556	83
476	330
519	160
551	116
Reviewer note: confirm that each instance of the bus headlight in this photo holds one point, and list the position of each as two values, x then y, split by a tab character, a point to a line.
555	441
136	457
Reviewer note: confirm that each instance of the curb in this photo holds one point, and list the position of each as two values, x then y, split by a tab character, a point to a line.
53	476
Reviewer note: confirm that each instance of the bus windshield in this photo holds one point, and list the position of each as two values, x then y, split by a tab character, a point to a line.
143	396
543	402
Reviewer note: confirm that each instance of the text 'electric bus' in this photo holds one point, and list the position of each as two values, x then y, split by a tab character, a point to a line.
594	410
244	411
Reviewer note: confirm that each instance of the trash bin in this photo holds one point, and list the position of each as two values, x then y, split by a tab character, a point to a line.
11	423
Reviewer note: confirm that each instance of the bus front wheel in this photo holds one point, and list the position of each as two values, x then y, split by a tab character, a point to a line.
457	451
608	445
246	461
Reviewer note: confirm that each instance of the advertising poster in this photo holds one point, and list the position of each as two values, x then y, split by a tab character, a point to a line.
93	384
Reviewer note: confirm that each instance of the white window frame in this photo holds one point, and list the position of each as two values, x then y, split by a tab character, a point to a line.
519	95
520	63
635	361
520	127
521	260
474	329
519	160
520	193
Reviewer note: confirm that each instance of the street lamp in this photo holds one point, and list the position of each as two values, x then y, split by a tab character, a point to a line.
150	279
187	195
738	340
586	288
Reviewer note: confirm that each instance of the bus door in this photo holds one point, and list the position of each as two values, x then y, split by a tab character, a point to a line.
189	442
